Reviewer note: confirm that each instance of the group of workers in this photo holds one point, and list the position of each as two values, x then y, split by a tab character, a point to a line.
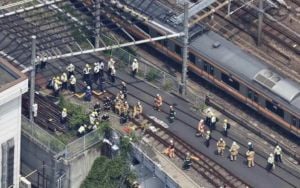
120	106
91	75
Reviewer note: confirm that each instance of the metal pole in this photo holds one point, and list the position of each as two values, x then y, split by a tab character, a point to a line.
185	48
32	78
228	8
260	21
98	6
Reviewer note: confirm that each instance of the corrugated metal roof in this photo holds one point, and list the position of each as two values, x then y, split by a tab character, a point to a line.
227	55
286	89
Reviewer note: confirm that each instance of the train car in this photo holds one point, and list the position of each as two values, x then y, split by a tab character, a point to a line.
221	63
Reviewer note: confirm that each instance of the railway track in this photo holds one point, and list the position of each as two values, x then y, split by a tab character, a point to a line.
271	28
210	170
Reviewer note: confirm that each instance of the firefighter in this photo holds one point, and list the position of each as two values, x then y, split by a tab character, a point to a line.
134	67
64	80
70	69
226	126
113	74
170	150
278	154
96	72
207	138
120	96
234	151
250	158
64	114
124	90
158	102
138	110
72	81
187	163
221	145
88	94
270	162
201	128
86	73
126	107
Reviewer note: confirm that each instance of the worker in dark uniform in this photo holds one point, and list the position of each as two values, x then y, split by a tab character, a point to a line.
96	72
213	122
101	70
107	104
105	117
86	74
208	119
101	84
88	94
113	74
124	90
226	127
187	163
172	114
97	107
70	69
277	154
270	162
72	81
63	117
250	146
207	138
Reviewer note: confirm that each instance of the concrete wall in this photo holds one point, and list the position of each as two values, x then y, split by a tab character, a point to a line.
69	173
10	128
79	167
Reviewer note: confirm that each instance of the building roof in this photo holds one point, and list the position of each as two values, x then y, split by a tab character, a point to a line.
9	75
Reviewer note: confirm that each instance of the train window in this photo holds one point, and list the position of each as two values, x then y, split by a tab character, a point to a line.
230	81
250	94
294	121
192	58
178	49
163	42
255	97
205	67
144	27
274	108
211	70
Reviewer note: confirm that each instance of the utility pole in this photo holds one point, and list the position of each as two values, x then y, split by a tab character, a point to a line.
98	25
185	48
32	77
260	22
